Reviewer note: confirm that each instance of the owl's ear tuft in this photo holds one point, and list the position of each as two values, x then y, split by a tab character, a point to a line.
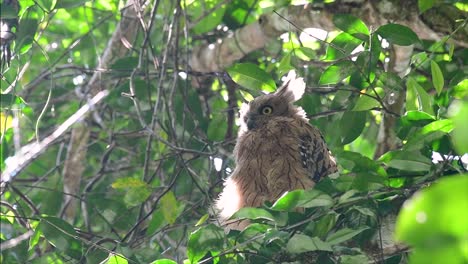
293	88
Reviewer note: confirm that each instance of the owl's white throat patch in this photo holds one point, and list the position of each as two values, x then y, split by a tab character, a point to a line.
230	200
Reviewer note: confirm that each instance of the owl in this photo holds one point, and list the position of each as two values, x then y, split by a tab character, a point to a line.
277	150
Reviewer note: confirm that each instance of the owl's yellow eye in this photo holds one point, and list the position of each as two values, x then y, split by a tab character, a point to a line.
266	110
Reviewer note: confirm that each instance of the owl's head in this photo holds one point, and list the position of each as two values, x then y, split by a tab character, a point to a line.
258	112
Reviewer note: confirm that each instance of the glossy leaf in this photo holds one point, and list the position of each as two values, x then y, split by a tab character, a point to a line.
285	64
352	124
170	207
335	73
416	116
434	220
70	3
288	200
429	133
344	234
425	5
116	259
407	160
460	131
26	31
253	213
417	98
203	240
324	224
398	34
164	261
351	25
136	190
128	182
300	243
368	101
217	127
157	221
391	81
302	198
437	77
61	235
206	21
341	46
252	77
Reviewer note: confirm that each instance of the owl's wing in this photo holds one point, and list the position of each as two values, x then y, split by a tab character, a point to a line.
315	155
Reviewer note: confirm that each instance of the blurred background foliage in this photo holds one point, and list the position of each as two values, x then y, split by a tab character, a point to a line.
145	195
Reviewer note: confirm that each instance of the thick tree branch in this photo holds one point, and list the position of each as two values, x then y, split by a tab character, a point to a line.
118	46
214	57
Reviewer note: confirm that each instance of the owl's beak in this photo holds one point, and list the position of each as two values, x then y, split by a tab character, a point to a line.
250	123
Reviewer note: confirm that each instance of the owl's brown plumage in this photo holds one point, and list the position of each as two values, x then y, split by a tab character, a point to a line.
277	150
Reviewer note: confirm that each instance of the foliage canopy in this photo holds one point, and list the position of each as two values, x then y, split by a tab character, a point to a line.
159	145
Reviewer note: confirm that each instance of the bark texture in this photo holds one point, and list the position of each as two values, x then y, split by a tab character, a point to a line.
431	25
117	47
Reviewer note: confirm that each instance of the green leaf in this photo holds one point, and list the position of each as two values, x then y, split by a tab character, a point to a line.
417	98
207	21
300	243
254	214
410	165
128	182
202	220
61	235
69	3
217	127
305	53
398	34
34	238
203	240
460	90
9	100
344	234
348	196
324	224
435	218
26	31
116	259
391	80
314	198
437	77
351	126
429	133
354	259
302	198
252	77
288	200
406	160
459	116
352	25
335	73
416	117
365	102
341	46
366	181
136	196
425	5
137	191
164	261
170	207
157	221
285	64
